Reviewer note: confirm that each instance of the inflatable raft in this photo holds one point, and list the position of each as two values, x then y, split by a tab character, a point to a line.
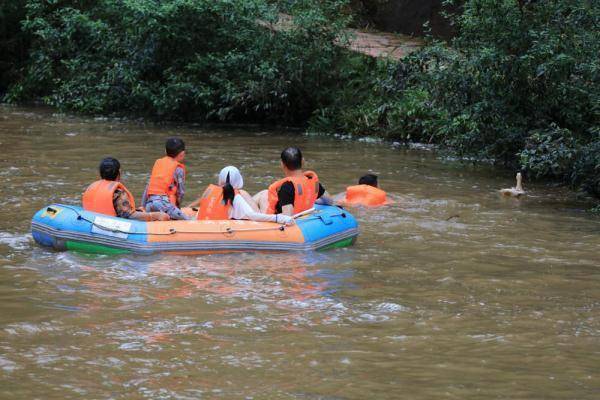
65	227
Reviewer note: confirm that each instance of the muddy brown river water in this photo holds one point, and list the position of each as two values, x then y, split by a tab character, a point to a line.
501	302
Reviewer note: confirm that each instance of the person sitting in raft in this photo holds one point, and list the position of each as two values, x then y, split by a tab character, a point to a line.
109	196
227	200
297	192
166	187
367	193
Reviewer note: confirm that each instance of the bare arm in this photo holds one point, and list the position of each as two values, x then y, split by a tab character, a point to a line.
340	199
196	202
124	209
325	199
149	216
243	210
288	209
249	200
180	179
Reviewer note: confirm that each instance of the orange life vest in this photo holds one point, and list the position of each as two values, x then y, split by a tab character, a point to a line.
365	195
162	181
98	197
305	194
212	205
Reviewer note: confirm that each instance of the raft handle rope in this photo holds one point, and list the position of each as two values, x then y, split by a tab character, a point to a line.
173	231
113	230
232	231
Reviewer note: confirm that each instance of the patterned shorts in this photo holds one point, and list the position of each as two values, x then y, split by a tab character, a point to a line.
162	203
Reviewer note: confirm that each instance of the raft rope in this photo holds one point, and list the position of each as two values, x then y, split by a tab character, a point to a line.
173	231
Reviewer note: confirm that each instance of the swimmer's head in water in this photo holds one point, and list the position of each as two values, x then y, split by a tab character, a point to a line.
291	158
368	179
110	169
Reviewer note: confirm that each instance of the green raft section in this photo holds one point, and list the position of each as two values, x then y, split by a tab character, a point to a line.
92	248
337	245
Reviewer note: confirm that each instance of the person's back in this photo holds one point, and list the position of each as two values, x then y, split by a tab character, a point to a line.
298	191
166	187
109	196
214	204
227	200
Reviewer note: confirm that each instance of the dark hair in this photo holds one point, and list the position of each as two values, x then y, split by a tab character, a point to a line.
109	168
174	146
228	192
292	158
368	179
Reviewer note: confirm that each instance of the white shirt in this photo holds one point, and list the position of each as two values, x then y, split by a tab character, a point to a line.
242	210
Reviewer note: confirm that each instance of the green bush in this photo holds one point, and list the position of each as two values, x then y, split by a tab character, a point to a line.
14	42
549	152
180	59
519	85
586	169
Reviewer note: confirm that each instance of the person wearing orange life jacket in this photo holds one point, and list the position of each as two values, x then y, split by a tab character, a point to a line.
227	200
109	196
297	192
166	187
366	193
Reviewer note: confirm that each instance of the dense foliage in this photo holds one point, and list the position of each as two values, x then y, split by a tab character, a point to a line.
520	85
14	42
180	59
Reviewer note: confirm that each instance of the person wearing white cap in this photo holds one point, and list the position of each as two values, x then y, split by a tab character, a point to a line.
227	200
